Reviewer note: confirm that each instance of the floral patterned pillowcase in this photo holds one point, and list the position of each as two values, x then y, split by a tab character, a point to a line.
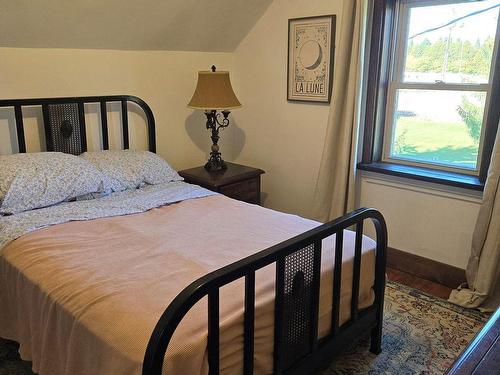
35	180
129	169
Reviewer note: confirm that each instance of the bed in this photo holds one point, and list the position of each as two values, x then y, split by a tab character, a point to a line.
190	283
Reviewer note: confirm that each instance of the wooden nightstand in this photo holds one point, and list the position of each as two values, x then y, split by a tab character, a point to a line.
237	181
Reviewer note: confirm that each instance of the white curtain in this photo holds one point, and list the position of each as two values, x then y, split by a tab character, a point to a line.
483	269
334	194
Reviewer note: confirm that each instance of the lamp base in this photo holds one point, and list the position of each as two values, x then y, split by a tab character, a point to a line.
215	165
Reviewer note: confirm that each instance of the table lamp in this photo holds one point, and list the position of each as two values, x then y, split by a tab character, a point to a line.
214	92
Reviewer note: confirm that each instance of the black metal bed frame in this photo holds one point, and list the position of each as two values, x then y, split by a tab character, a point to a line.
64	121
297	348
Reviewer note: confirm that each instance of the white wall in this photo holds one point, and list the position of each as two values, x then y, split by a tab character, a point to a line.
424	219
165	80
286	139
283	138
165	25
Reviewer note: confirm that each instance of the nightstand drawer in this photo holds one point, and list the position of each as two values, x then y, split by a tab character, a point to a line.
246	190
236	181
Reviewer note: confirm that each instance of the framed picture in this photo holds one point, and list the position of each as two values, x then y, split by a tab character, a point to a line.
311	45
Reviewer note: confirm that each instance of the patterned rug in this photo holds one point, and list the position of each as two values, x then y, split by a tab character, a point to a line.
422	335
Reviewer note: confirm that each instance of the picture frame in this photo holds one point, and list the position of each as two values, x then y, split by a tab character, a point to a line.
311	48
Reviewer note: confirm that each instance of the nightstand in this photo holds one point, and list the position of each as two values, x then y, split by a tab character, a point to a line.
237	181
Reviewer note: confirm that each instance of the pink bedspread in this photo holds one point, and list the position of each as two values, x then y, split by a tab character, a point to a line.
83	297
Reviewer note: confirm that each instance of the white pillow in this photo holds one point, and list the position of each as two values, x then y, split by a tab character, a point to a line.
127	169
35	180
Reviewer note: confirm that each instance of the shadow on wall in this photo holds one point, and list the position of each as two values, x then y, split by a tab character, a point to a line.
7	118
94	141
232	138
33	128
263	198
137	126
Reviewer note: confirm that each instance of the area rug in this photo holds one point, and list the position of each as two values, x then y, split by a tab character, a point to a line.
422	335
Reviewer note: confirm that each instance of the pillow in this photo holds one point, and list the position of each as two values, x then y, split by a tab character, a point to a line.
35	180
128	169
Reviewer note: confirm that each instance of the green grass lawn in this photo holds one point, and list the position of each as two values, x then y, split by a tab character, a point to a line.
424	140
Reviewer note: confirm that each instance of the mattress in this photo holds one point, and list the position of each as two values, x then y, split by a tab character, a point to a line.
83	297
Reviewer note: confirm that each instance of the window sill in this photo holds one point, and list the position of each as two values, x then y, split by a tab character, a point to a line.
424	174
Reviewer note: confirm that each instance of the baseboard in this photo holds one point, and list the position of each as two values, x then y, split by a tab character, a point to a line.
425	268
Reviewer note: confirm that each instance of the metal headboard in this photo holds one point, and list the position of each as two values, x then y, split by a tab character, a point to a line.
64	121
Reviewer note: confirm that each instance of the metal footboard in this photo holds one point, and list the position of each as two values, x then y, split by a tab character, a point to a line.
297	349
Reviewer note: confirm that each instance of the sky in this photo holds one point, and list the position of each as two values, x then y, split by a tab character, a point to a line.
472	28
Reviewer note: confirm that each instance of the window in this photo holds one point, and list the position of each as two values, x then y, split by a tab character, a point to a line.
434	104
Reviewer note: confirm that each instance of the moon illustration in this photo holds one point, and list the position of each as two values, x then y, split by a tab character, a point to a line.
310	55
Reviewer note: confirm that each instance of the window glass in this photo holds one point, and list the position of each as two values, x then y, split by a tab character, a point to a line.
441	83
438	126
451	43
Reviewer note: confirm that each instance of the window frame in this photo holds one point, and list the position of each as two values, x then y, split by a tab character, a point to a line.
397	82
378	102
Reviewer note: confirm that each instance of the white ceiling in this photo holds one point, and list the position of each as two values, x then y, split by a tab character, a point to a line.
175	25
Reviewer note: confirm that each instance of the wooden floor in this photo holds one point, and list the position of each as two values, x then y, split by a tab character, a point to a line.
424	285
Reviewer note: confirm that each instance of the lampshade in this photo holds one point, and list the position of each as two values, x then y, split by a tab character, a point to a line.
214	91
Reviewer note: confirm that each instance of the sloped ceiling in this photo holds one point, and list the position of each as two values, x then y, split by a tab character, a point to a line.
175	25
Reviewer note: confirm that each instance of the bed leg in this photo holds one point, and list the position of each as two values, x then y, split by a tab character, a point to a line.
376	339
379	287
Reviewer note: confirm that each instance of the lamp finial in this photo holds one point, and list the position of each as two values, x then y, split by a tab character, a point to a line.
213	68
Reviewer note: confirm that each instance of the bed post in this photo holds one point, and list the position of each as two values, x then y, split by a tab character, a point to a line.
379	286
